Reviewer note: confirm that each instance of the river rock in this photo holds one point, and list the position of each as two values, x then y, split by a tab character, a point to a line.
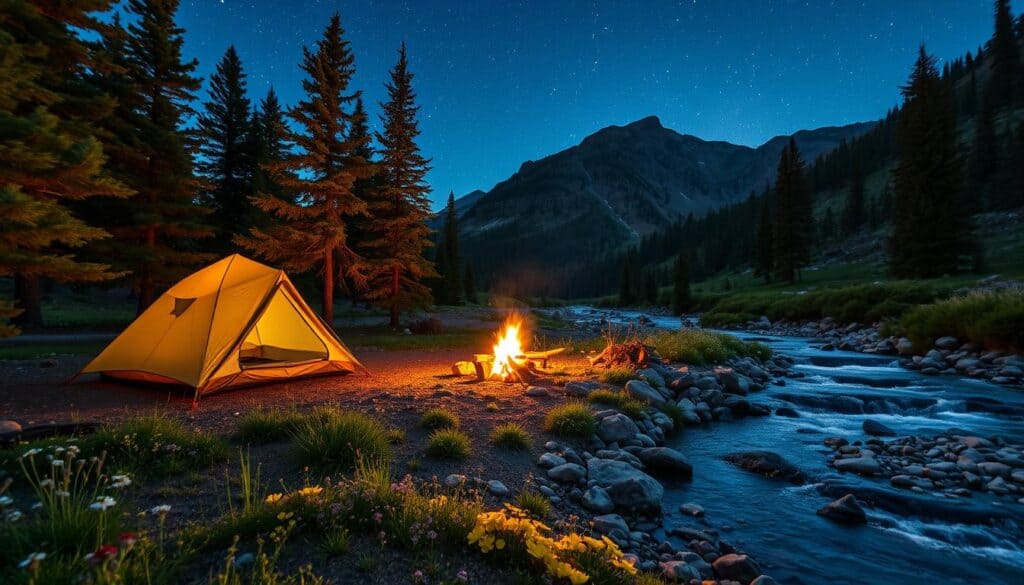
644	391
497	488
947	342
764	580
580	389
692	509
904	346
768	464
846	510
568	473
994	468
652	377
877	429
679	571
787	412
9	428
736	567
860	465
454	480
549	460
617	427
629	488
612	525
596	499
668	461
734	383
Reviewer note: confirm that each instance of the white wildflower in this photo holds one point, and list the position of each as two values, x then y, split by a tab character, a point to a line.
161	509
120	481
37	506
6	501
57	463
14	516
46	483
103	503
62	493
32	452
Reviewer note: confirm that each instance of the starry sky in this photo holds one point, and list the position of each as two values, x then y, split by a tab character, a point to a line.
502	82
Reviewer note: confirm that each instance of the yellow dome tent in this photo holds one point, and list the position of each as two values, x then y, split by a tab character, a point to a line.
233	323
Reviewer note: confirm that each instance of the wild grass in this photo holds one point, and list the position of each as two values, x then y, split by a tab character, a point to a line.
862	303
700	347
439	418
448	444
992	319
155	446
264	425
396	436
573	419
631	407
534	503
512	436
330	439
335	542
618	376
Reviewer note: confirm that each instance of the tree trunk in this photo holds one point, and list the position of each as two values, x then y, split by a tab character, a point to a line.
28	295
147	288
328	309
394	297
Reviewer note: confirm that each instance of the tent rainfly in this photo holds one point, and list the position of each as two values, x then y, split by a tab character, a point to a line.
233	323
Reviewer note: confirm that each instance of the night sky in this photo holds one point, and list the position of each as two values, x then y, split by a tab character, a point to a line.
504	82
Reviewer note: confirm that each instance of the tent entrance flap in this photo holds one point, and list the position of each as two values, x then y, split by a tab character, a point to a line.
281	336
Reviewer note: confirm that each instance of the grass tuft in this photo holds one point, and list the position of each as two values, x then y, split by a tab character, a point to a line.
700	347
334	440
155	446
439	418
571	420
618	376
448	444
534	503
262	425
512	436
632	407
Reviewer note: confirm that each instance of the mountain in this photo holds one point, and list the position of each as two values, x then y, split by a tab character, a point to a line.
617	185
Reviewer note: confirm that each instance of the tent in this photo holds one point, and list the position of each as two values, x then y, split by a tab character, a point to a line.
233	323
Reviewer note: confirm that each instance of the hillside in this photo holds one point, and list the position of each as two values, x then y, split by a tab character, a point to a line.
618	185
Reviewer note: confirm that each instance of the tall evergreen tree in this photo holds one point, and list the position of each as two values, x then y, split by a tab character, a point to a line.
681	298
269	144
627	284
828	227
1004	57
449	263
155	230
765	262
50	156
401	206
983	161
317	176
853	212
792	215
469	283
226	158
1016	186
650	288
930	232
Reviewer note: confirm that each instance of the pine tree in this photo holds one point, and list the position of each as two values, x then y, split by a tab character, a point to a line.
765	263
930	232
853	212
828	227
681	284
1016	186
469	284
449	264
650	288
50	155
317	176
1004	57
226	160
792	215
362	229
400	206
984	159
154	231
627	297
269	144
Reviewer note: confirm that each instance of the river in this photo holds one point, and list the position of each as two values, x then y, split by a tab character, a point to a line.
776	523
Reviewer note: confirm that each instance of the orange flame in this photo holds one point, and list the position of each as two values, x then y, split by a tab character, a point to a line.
507	348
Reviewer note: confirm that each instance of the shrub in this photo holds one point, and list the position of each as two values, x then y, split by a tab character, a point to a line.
262	425
724	319
439	418
535	504
156	446
701	347
448	444
512	436
618	376
632	407
571	420
334	440
992	319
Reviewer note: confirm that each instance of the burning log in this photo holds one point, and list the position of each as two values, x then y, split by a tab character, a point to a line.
508	363
631	354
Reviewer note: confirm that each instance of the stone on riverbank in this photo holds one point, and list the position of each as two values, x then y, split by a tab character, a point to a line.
667	461
846	510
736	567
877	429
644	391
768	464
629	488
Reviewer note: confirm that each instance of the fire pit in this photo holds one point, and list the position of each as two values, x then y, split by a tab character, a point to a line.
509	362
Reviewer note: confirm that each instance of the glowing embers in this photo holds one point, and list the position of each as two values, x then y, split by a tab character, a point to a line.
509	362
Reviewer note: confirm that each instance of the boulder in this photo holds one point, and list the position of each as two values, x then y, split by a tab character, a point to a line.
454	480
497	488
691	509
736	567
596	499
860	465
679	571
611	524
549	460
846	510
652	377
733	383
644	391
629	488
616	428
568	473
668	461
947	342
768	464
877	429
904	346
9	428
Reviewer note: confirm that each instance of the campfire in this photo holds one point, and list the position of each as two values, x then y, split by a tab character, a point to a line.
509	362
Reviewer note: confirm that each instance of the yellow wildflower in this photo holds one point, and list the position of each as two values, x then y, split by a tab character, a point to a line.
274	498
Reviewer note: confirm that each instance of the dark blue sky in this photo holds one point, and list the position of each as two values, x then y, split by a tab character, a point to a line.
504	82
